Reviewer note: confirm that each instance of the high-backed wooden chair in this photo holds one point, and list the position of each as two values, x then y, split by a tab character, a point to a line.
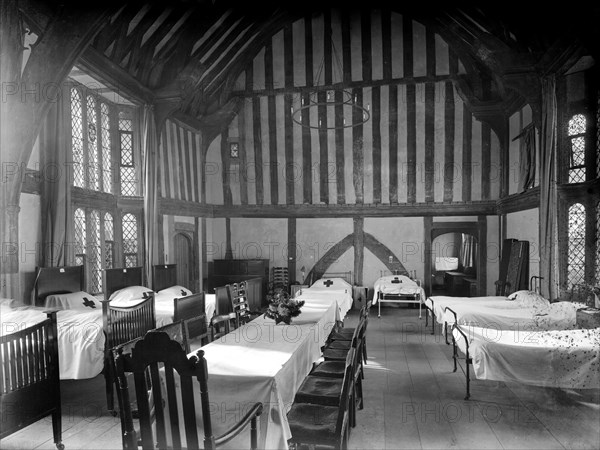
164	359
221	325
240	305
323	424
197	331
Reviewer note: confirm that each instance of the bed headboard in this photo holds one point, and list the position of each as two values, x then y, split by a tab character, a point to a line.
115	279
57	280
412	274
164	276
347	276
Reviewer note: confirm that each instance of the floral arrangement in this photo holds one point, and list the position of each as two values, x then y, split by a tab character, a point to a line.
282	308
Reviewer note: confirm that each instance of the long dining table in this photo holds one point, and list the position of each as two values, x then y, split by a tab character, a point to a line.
264	362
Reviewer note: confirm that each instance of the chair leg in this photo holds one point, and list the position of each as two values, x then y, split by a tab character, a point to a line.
360	393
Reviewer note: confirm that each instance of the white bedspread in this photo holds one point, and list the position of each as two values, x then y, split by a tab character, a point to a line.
397	284
501	314
80	337
558	358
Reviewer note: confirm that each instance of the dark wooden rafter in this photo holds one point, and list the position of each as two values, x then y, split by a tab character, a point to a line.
141	62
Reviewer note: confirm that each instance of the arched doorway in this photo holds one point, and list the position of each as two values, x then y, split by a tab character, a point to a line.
184	259
478	231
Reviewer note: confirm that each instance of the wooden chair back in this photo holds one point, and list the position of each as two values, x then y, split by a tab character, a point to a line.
220	325
165	360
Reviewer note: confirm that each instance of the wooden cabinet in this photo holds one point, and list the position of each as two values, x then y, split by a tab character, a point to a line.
226	271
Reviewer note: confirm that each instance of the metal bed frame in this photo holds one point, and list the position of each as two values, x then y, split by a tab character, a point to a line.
399	298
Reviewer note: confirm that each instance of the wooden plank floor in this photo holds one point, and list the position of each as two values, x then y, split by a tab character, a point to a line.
412	400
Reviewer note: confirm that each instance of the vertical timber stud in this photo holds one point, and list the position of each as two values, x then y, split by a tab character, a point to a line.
359	250
291	249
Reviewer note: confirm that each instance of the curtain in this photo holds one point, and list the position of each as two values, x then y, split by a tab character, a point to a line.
527	158
55	169
468	250
149	151
548	194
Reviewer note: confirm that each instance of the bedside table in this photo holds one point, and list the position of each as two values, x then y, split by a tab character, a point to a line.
359	296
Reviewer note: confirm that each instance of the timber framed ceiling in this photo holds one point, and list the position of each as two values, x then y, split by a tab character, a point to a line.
193	50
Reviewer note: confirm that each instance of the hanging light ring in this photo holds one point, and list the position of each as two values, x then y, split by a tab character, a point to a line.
360	114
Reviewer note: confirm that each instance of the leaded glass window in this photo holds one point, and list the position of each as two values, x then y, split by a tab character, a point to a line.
576	132
130	240
95	254
92	144
91	141
77	138
576	258
129	185
106	148
109	241
80	237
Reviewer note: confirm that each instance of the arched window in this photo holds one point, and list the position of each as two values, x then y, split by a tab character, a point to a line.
576	132
576	258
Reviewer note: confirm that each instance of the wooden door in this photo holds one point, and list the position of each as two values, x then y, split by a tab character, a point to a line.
184	259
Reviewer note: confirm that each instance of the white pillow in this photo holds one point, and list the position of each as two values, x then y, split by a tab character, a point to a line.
529	299
129	293
175	292
73	300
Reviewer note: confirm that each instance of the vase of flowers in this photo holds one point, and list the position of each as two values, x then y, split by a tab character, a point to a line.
282	308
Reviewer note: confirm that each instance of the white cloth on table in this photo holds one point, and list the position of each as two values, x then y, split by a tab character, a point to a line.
341	295
557	358
264	362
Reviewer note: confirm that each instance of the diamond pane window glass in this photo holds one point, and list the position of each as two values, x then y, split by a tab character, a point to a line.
578	151
128	181
95	254
92	134
577	175
576	256
80	233
109	241
130	243
77	138
577	124
106	148
126	149
125	124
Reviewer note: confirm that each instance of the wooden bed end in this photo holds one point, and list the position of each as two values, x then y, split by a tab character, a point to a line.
163	276
30	378
347	276
57	280
115	279
189	306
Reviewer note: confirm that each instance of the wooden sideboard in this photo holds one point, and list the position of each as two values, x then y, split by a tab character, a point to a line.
226	271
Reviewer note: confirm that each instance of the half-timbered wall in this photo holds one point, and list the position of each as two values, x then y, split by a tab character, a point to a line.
180	168
421	143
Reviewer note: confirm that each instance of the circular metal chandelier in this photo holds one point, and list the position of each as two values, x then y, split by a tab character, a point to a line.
346	101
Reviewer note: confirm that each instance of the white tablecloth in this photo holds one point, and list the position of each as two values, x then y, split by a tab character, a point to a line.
264	362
